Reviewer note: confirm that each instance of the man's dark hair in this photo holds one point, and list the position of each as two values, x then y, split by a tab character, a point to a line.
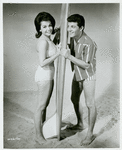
77	18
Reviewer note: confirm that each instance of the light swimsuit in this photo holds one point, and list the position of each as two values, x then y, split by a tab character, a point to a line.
46	72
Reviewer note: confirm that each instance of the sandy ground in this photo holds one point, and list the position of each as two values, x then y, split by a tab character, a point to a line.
19	127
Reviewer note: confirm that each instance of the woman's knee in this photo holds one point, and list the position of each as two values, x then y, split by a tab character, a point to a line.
41	108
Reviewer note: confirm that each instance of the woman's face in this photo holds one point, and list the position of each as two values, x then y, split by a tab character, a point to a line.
46	28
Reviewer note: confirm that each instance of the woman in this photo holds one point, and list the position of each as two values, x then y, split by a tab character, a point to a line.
47	51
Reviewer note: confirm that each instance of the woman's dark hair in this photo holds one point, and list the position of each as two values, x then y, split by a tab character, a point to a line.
43	16
77	18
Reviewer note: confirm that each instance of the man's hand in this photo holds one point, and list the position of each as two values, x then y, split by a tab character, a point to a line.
87	65
65	52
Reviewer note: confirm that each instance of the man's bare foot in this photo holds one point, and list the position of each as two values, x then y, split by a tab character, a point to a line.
40	140
88	140
75	127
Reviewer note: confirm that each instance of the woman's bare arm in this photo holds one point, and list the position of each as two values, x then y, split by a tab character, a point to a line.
42	49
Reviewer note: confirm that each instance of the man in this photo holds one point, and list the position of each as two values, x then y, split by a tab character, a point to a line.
84	64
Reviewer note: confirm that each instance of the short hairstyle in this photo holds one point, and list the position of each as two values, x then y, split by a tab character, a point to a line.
43	16
77	18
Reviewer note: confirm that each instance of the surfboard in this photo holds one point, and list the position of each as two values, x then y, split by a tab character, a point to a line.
62	65
52	127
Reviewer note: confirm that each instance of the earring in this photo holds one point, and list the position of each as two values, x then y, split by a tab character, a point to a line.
81	28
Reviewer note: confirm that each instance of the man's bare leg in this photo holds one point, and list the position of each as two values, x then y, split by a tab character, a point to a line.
89	92
77	88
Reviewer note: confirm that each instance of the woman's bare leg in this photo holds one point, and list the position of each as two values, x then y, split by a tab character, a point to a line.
45	89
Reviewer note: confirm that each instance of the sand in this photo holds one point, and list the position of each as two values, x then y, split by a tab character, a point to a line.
19	126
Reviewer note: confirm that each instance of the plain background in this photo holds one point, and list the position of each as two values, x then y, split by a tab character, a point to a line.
19	43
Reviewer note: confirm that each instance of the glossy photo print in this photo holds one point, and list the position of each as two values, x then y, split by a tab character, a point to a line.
61	75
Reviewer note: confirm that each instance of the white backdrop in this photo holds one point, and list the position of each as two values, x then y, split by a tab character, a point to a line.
19	42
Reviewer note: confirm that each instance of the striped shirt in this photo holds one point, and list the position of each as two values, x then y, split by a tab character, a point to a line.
84	49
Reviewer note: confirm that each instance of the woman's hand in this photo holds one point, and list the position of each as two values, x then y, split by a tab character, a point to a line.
58	47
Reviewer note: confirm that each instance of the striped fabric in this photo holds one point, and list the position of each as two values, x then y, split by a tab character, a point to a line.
93	77
85	49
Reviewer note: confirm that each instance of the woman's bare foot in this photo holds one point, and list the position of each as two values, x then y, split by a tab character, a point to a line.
75	127
40	140
88	140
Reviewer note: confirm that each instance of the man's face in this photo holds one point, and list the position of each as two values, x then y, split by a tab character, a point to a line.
73	29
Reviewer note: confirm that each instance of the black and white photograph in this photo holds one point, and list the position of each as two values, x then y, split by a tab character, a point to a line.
60	74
